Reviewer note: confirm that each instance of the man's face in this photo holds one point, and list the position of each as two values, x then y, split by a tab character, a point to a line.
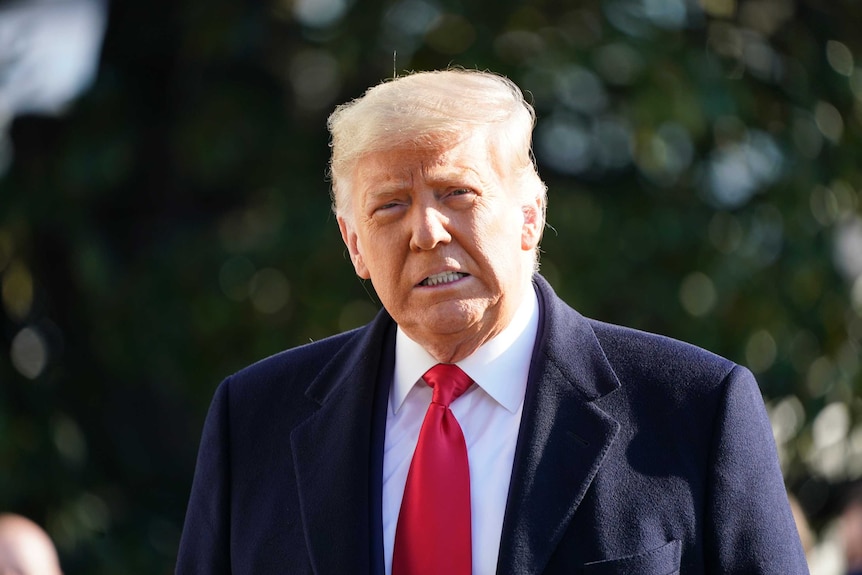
446	241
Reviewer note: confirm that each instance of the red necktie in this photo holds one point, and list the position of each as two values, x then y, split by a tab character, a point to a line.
433	533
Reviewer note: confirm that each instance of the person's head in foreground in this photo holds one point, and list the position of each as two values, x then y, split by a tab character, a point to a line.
25	548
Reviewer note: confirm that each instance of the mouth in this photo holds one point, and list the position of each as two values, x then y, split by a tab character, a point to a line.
442	278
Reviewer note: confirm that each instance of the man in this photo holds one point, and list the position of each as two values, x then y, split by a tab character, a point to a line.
25	548
562	445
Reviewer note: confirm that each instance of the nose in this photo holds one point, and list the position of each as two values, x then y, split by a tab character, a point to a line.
429	229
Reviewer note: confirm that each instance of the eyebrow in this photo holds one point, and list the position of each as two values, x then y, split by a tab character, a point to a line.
387	186
393	183
436	174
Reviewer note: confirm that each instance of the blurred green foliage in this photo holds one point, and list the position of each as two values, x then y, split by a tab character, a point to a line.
174	224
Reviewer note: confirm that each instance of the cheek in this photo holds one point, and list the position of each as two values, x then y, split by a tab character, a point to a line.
492	236
509	233
499	256
503	247
384	265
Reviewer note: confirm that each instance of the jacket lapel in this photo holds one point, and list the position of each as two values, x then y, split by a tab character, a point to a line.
563	436
333	452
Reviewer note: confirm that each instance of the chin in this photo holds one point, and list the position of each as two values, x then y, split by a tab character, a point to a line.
454	316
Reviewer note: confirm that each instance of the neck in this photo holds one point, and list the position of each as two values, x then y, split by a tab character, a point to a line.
452	348
444	353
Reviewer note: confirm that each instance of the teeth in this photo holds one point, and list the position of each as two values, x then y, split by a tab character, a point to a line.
443	278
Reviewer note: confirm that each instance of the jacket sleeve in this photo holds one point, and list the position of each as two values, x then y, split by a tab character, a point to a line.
749	526
205	543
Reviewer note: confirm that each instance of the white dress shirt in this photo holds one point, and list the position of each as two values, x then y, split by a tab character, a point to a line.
489	413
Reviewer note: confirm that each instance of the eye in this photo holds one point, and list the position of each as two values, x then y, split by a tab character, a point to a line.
461	197
461	194
388	209
387	203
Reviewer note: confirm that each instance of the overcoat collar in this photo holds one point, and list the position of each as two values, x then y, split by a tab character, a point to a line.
338	450
563	438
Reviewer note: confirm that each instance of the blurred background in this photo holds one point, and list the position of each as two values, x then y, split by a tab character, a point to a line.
164	219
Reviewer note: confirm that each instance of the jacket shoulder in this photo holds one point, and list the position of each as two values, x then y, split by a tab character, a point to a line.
283	379
651	357
307	359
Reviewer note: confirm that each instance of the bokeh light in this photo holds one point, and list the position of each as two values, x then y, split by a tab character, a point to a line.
29	353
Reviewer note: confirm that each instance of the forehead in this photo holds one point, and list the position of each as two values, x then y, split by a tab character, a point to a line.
470	159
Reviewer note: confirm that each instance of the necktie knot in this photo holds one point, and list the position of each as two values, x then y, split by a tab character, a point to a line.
448	382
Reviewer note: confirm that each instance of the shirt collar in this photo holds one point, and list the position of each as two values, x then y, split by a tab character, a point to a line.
500	366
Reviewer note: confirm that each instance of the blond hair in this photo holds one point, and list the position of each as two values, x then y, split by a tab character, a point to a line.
427	109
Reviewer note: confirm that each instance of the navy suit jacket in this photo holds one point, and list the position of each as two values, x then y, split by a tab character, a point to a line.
637	454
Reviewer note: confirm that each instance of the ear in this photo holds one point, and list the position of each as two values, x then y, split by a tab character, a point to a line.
351	240
534	223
